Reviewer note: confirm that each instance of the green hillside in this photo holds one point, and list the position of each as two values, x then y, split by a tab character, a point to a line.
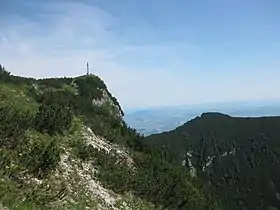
64	145
239	157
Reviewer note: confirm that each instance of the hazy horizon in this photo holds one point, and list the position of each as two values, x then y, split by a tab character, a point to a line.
156	120
231	104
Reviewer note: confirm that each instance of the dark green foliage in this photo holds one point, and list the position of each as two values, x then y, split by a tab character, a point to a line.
250	174
45	195
244	156
42	157
100	119
31	91
82	150
53	117
154	179
90	87
133	139
13	126
6	77
117	177
169	185
59	97
56	83
4	74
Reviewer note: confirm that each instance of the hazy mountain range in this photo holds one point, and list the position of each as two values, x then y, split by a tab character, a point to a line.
156	120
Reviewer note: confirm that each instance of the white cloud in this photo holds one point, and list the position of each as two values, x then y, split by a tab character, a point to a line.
76	33
69	35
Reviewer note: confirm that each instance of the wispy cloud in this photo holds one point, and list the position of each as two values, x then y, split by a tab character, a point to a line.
57	38
70	34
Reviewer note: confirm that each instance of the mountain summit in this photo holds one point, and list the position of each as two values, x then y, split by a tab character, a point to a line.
64	145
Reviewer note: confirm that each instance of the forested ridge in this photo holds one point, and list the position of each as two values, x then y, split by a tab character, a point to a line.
44	120
239	157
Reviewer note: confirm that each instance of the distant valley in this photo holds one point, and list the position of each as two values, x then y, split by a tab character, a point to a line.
157	120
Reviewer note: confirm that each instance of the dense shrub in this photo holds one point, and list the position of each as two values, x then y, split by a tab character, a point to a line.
6	77
154	179
13	126
53	118
82	150
56	83
42	154
90	87
115	176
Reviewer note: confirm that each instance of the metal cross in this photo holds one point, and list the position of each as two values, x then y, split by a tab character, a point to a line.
87	68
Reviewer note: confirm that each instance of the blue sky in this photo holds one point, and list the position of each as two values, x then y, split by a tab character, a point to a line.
150	52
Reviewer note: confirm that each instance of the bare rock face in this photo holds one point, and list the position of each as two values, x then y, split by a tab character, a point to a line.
106	100
82	175
95	89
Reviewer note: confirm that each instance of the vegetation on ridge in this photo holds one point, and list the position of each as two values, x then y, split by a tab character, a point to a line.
238	156
43	121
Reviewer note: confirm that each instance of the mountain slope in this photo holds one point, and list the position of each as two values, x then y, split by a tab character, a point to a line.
238	156
64	145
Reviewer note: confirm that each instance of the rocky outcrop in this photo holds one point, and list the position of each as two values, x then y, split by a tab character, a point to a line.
106	100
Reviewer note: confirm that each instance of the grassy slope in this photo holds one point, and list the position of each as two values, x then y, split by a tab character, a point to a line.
16	96
20	187
29	195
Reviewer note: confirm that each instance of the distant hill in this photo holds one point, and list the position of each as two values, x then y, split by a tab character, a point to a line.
239	156
160	119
